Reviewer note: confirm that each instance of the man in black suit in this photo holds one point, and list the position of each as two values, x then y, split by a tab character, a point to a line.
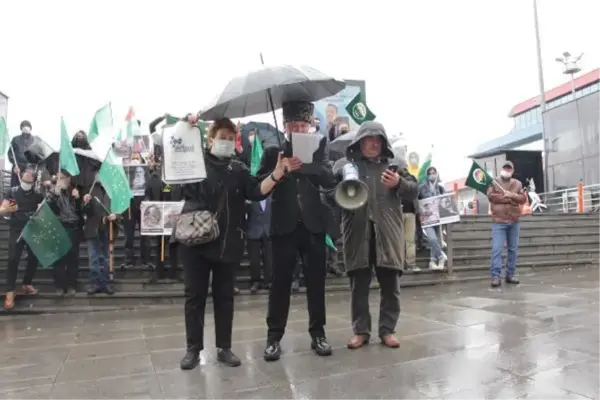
259	243
299	221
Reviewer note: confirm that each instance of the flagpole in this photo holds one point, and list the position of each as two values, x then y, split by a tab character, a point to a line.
16	163
542	100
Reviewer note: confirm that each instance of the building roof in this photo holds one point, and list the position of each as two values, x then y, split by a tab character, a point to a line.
509	141
4	95
580	82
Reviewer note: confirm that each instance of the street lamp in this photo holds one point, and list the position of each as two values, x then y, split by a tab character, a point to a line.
571	67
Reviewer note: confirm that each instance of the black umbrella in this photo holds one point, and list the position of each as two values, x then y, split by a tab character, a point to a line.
87	161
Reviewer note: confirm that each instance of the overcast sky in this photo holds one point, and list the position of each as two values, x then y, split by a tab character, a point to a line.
443	72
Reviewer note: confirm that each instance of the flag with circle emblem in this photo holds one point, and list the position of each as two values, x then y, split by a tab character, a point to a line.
46	236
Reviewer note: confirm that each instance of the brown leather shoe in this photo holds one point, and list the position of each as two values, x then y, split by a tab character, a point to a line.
9	300
29	289
390	341
357	341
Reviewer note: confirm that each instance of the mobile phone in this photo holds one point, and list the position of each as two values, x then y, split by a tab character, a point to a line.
393	167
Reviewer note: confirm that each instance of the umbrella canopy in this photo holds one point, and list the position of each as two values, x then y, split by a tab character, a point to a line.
340	143
266	132
248	95
88	162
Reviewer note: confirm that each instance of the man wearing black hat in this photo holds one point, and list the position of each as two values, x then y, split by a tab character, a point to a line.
16	153
298	225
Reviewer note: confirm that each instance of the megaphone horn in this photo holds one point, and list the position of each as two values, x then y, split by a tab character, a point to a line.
351	193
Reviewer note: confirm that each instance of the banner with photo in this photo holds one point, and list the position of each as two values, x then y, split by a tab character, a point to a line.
183	154
133	150
159	217
331	111
138	175
439	210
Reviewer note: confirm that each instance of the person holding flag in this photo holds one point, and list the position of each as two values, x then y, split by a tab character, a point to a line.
19	204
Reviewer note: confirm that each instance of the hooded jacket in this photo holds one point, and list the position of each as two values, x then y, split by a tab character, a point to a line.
431	189
383	208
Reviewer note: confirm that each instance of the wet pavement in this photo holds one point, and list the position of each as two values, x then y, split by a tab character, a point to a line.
537	340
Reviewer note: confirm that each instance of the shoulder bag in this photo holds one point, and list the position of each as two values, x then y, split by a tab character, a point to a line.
199	227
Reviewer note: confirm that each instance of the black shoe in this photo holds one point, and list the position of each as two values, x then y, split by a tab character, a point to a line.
272	351
321	346
71	292
190	360
496	282
236	291
511	280
254	288
335	271
149	266
295	286
266	286
92	290
61	292
126	266
108	290
226	356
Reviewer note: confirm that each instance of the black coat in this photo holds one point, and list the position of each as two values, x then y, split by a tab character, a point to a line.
297	197
259	221
95	212
232	180
155	190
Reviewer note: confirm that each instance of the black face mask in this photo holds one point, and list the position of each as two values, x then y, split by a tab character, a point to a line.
317	128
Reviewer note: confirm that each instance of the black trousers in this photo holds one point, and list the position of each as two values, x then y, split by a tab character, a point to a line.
15	250
67	268
131	220
311	247
197	270
171	250
260	253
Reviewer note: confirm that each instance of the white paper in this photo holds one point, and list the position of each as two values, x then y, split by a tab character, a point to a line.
304	146
183	155
159	217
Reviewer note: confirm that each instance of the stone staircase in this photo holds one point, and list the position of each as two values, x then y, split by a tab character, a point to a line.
547	241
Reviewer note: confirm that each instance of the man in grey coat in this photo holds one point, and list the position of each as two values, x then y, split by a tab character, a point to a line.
373	235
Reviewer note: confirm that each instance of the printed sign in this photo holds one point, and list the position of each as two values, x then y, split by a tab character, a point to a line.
331	111
159	217
439	210
138	177
183	154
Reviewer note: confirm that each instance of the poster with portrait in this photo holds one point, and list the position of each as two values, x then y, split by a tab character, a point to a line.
439	210
159	217
331	111
183	154
138	178
133	150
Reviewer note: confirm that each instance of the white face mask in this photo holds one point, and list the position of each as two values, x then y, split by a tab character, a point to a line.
26	186
26	130
505	174
222	148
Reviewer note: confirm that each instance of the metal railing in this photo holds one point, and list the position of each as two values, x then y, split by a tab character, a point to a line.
572	200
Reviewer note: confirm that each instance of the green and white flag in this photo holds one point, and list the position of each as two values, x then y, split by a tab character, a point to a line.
4	139
256	155
478	178
114	180
358	110
66	157
422	178
102	124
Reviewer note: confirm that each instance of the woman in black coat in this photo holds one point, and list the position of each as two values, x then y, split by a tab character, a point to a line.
228	182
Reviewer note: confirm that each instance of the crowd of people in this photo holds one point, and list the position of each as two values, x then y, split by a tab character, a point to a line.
281	216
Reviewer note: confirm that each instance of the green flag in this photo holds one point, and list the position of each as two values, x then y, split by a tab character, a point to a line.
422	178
102	124
256	155
4	139
329	242
478	179
358	110
66	156
46	237
114	180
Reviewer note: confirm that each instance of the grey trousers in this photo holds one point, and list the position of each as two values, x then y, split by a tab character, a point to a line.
389	305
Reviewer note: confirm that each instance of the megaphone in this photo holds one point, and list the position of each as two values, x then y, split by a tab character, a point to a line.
351	193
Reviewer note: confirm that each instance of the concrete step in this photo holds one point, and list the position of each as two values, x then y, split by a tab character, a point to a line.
548	248
560	220
526	237
532	257
172	296
477	231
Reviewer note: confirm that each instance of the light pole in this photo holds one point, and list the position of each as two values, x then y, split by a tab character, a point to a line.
542	94
571	67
